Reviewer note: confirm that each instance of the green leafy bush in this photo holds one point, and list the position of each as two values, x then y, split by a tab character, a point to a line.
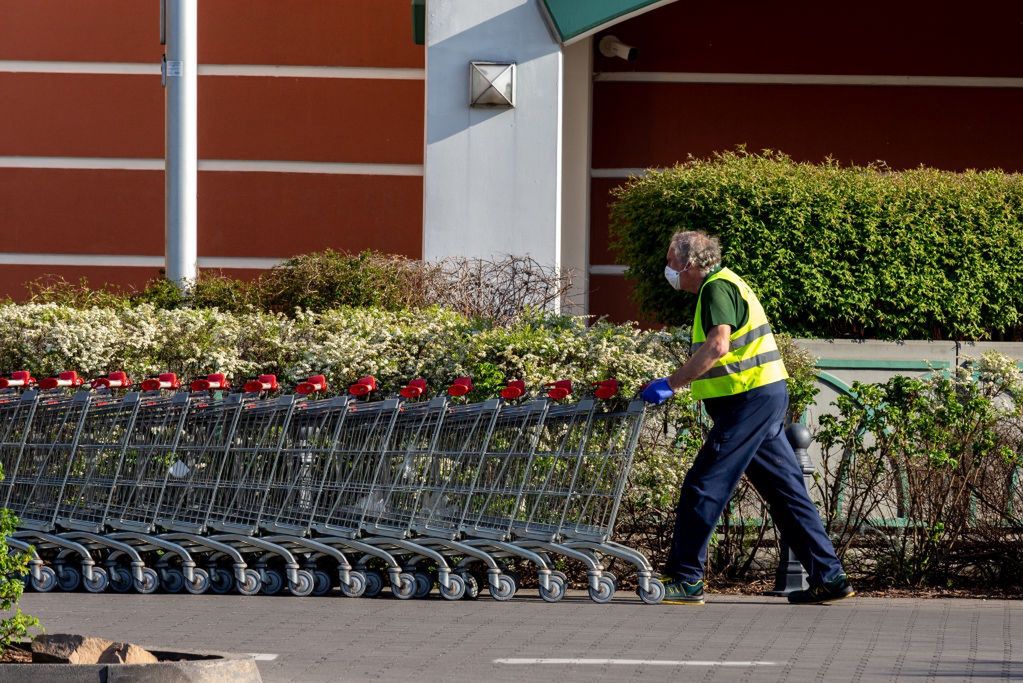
327	279
838	251
496	291
931	469
14	624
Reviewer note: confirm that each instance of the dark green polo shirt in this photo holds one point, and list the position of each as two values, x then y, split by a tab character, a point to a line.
722	304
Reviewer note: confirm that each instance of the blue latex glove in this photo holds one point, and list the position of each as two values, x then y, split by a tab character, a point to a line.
657	392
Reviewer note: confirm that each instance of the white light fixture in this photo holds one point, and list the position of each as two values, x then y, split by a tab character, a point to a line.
491	84
610	46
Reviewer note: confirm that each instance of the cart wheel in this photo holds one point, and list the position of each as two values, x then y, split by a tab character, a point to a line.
424	584
654	595
221	580
322	582
173	580
455	589
472	585
604	592
121	580
505	588
406	587
273	583
614	579
68	578
304	584
99	581
200	584
374	585
47	580
555	590
358	584
252	583
149	583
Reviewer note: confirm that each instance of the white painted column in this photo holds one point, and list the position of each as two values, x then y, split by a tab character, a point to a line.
181	166
493	181
575	174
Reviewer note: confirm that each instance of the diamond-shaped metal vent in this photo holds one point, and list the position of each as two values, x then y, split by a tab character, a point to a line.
491	84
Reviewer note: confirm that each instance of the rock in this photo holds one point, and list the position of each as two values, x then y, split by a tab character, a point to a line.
64	648
127	653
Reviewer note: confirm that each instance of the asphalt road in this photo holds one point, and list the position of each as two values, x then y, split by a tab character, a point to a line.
729	638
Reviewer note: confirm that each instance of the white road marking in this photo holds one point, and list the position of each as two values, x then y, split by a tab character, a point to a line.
262	656
631	662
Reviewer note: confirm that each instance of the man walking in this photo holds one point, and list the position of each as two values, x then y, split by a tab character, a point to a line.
736	369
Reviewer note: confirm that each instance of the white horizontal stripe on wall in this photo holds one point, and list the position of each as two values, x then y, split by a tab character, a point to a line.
619	172
128	261
607	270
227	165
258	70
326	167
93	163
808	79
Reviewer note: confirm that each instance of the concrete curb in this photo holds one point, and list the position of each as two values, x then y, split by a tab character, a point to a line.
185	667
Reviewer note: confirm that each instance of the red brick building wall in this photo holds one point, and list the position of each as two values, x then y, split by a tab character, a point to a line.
329	155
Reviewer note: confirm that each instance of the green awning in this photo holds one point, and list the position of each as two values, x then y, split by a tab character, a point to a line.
574	20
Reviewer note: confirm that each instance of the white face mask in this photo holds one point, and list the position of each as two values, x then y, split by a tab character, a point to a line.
673	276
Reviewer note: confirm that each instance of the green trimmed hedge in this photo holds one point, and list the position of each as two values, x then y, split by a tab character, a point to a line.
836	251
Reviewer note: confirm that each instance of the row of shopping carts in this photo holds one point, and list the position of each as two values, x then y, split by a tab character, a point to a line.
201	489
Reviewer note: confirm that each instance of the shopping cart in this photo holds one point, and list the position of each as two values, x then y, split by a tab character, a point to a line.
137	493
467	479
350	494
36	485
303	461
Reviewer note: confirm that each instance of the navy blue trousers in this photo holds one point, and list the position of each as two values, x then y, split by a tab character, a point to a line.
748	437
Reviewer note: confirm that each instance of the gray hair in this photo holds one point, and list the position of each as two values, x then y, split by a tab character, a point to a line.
698	248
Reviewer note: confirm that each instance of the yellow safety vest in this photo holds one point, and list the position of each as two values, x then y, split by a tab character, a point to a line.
753	359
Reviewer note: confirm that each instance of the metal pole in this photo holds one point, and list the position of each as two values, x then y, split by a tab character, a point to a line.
181	26
790	575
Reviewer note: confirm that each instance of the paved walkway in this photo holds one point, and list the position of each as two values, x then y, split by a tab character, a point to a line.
730	638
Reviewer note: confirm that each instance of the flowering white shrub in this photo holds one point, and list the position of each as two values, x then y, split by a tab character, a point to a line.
342	344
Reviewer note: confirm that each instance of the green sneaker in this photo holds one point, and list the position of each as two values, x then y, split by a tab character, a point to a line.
834	589
678	592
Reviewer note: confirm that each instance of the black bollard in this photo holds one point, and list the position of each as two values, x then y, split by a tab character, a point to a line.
790	575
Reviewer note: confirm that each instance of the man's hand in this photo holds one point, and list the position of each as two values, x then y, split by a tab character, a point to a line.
657	392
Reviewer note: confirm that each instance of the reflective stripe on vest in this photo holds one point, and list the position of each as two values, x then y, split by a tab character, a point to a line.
753	359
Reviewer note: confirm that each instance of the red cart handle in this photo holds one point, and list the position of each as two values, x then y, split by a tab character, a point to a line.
115	380
63	379
515	389
260	384
166	380
312	385
215	381
461	386
19	378
606	389
363	386
414	389
559	390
